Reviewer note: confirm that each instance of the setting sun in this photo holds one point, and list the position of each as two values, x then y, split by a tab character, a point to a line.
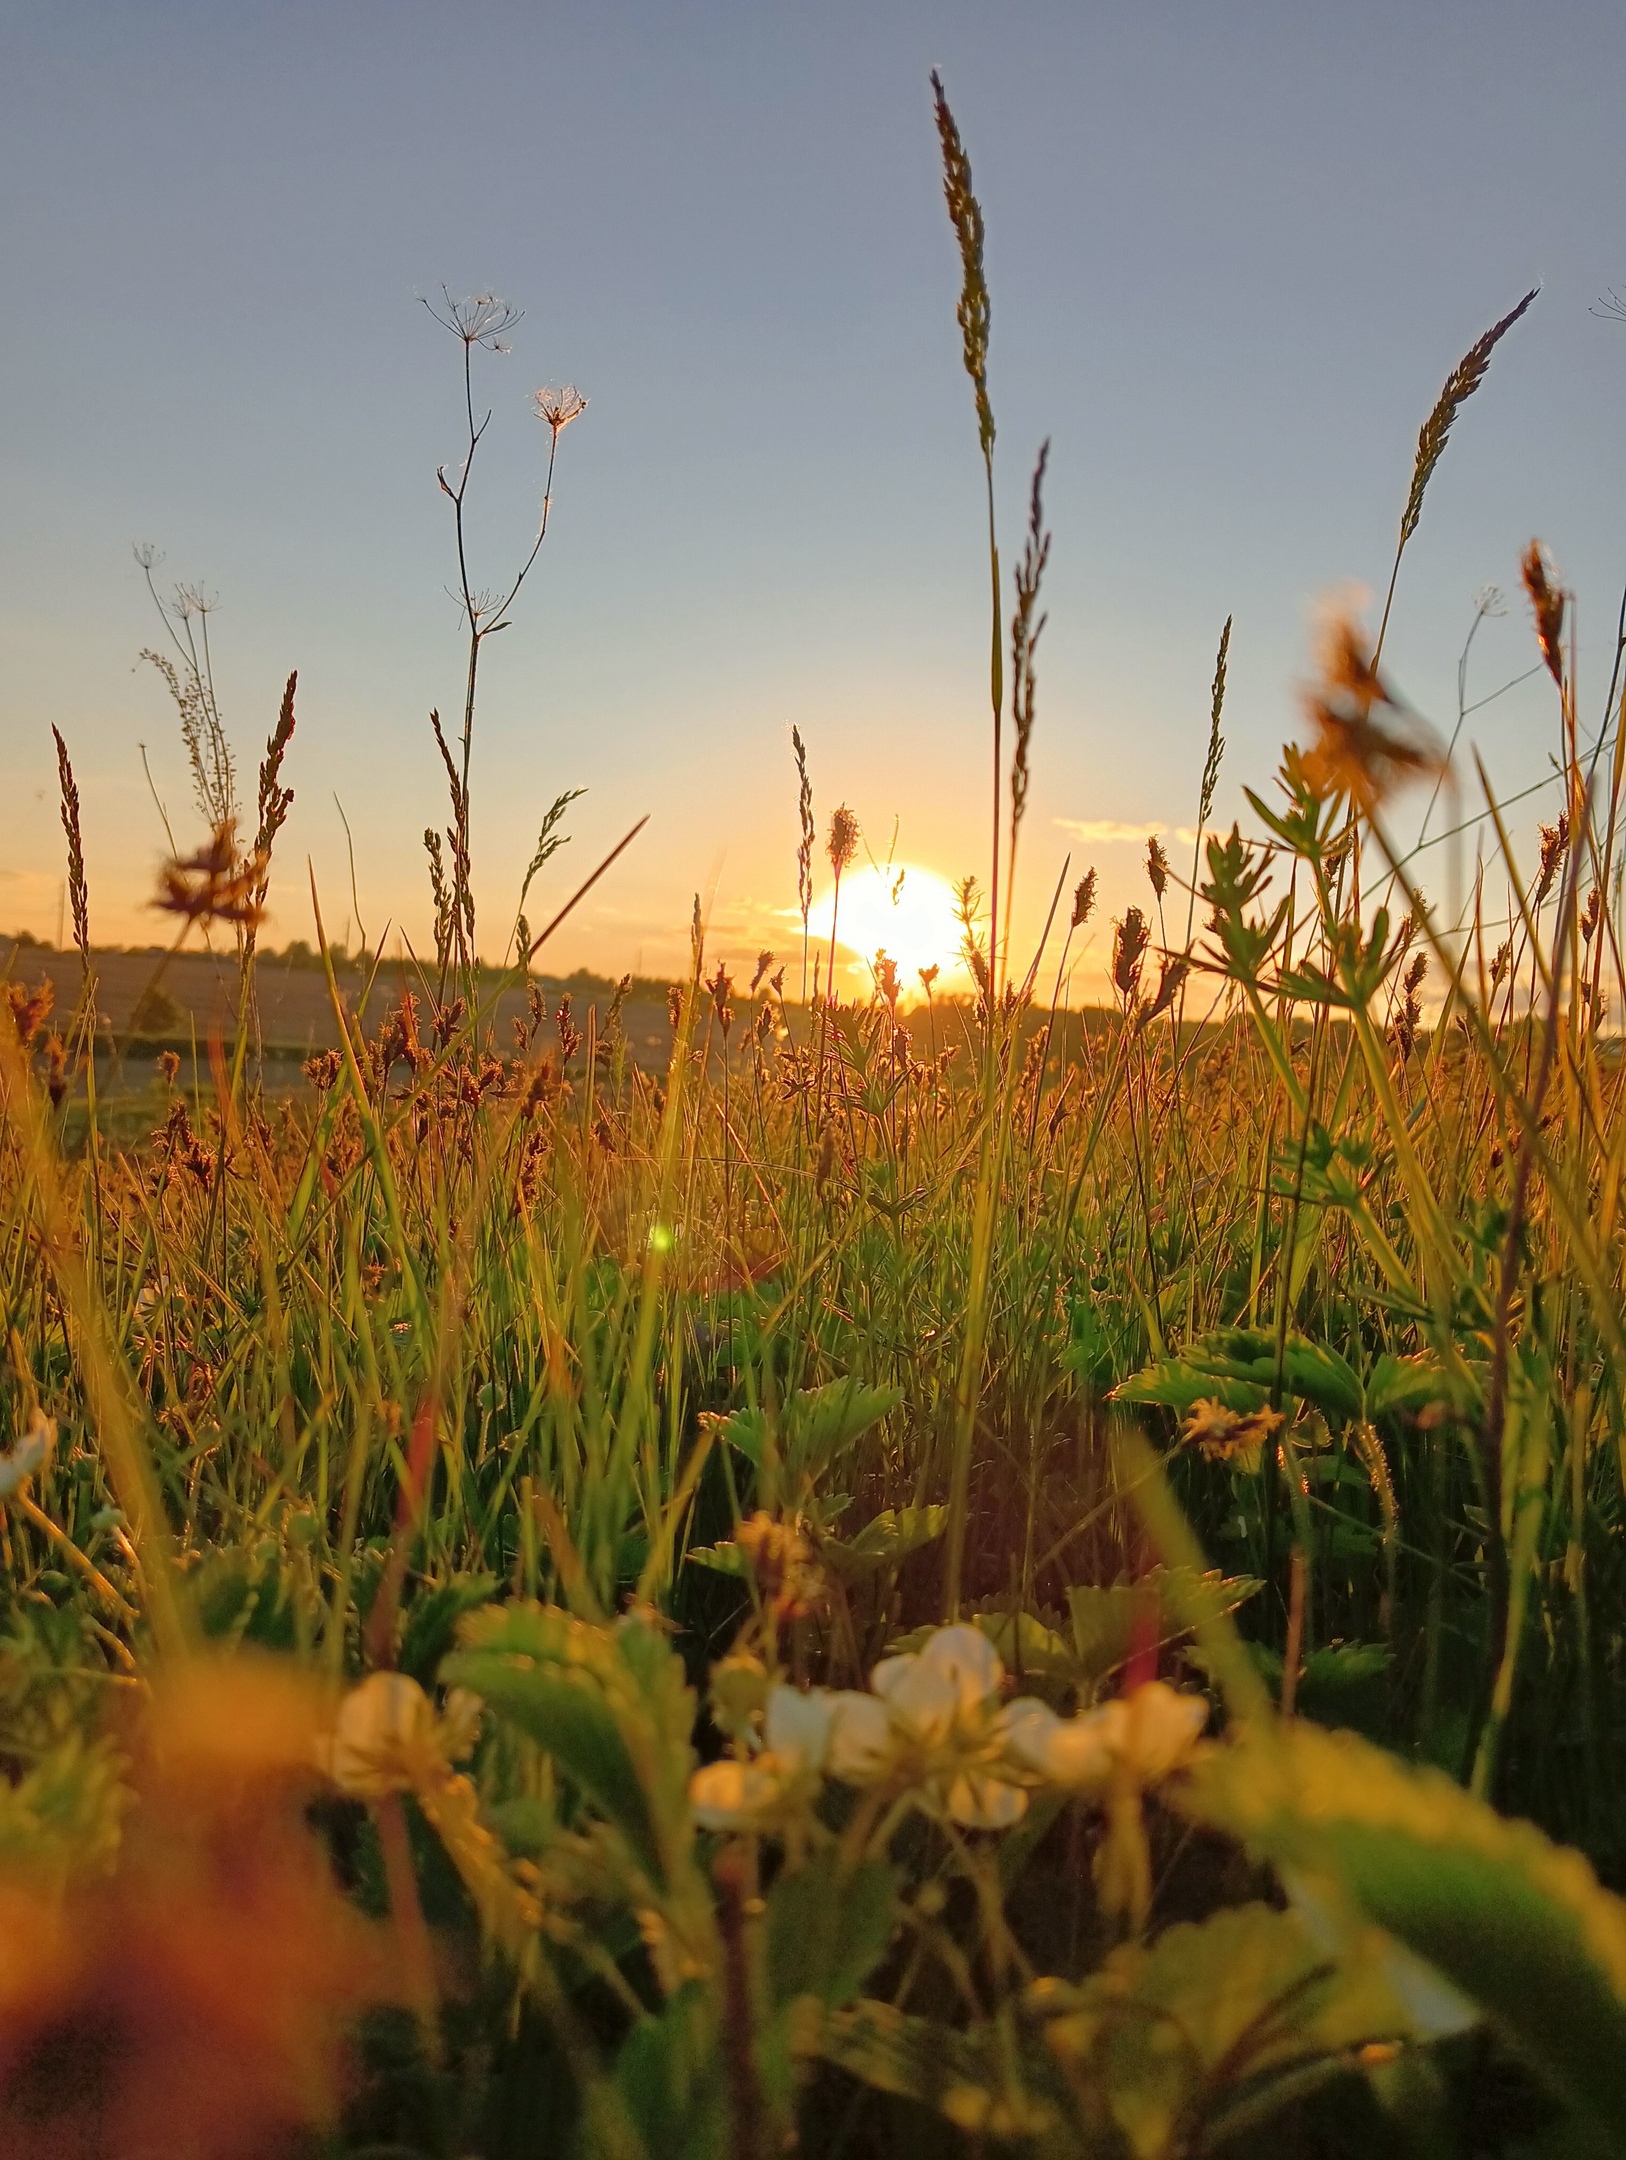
907	911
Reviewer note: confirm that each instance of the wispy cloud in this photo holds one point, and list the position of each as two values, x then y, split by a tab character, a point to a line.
1104	832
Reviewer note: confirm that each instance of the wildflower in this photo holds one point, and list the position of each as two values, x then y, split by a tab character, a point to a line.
1083	900
764	962
737	1794
1222	1435
886	979
558	405
1353	755
216	884
928	975
480	319
388	1735
943	1703
28	1456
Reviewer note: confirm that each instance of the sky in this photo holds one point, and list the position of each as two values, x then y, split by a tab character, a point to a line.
1233	251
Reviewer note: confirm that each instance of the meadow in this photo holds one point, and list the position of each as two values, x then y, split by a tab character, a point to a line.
880	1573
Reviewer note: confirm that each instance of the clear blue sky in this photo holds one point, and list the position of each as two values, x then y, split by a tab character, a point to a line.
1234	251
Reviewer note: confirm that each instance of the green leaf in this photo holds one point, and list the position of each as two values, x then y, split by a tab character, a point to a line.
1168	2035
724	1559
610	1705
821	1423
1105	1619
828	1926
1521	1926
668	2080
1237	1367
966	2075
565	1713
885	1541
431	1622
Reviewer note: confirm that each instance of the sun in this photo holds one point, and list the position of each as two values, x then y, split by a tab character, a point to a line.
906	911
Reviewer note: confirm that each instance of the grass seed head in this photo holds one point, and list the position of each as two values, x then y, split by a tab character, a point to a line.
842	845
1547	600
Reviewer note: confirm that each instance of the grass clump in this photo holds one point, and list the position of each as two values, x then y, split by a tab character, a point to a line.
618	1611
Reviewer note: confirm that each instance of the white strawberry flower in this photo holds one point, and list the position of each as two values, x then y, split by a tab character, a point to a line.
383	1733
945	1692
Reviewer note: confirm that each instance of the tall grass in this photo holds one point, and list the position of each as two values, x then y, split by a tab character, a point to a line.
481	1320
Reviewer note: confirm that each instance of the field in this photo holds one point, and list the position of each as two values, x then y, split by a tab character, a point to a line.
589	1573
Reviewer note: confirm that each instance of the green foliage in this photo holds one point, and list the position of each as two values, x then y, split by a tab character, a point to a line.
1519	1925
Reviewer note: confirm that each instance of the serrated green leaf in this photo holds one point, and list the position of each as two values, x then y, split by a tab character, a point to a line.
724	1559
828	1926
1232	1366
965	2075
565	1713
1105	1618
1521	1926
1167	2036
432	1620
885	1541
821	1423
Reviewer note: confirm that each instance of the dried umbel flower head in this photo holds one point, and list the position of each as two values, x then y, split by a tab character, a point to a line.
478	319
559	404
1353	754
928	975
216	884
169	1066
1547	600
842	845
1129	943
1083	900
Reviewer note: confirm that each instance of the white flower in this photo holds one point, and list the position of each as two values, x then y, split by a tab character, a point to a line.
944	1692
1160	1729
28	1456
863	1746
734	1795
942	1704
797	1729
980	1802
384	1729
1075	1754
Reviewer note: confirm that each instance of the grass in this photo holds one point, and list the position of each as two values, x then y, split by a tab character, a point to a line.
344	1425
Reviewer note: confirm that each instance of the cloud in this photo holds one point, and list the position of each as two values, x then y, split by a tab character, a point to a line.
1104	832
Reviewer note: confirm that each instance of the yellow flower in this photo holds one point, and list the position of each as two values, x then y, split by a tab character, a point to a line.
1224	1435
